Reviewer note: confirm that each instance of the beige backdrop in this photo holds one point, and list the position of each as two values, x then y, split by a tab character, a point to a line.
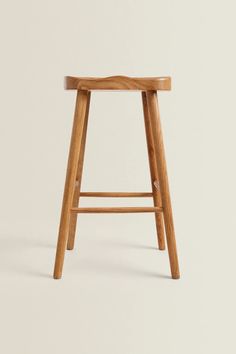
116	296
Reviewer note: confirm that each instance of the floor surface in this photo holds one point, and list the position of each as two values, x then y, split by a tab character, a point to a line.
116	295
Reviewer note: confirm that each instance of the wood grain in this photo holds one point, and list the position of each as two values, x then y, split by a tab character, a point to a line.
117	83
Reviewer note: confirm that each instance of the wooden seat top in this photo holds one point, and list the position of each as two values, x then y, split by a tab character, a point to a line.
118	83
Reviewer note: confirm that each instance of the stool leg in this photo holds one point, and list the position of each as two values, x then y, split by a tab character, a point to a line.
153	173
162	173
75	146
76	197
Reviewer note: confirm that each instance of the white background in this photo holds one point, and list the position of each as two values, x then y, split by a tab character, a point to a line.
116	295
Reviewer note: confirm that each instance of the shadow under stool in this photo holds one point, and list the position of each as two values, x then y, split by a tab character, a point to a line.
148	86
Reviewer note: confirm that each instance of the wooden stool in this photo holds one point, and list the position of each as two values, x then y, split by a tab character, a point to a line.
160	188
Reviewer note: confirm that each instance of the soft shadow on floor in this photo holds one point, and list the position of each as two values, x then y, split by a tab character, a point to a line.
110	268
13	242
9	246
20	256
136	246
37	274
126	245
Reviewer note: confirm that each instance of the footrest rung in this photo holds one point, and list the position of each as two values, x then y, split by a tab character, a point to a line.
116	194
118	210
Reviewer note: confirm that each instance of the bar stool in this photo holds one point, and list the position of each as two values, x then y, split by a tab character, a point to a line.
158	171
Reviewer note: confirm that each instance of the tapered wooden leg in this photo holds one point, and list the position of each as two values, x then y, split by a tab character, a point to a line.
163	178
76	197
75	146
153	173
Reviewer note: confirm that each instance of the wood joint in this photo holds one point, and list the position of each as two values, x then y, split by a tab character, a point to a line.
157	185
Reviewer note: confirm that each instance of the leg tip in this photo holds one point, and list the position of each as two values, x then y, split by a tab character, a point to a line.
70	245
176	276
56	277
161	248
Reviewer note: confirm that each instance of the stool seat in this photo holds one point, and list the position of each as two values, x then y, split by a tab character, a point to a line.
118	83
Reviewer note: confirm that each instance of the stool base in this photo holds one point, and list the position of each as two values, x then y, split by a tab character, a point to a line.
159	181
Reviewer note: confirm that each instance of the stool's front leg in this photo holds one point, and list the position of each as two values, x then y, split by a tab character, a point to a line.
74	154
76	197
164	185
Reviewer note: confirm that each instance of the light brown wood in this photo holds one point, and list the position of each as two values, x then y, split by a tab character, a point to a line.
116	194
75	146
158	171
76	197
164	185
153	173
117	83
99	210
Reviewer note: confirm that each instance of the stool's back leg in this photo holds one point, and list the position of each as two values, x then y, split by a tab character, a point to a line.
162	173
76	197
153	173
76	140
